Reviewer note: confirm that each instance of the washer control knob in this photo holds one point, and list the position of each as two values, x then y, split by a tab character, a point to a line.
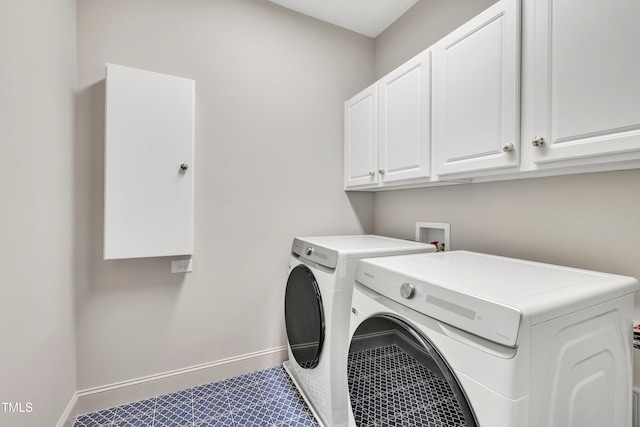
407	290
309	250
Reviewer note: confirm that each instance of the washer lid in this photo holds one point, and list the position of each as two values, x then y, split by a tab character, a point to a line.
488	295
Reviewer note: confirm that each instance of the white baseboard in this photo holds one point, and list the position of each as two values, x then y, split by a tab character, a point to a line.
68	418
108	396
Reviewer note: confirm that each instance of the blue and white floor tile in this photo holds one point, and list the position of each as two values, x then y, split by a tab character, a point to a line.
264	398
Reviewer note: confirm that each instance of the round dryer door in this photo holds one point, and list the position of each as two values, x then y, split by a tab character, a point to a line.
304	316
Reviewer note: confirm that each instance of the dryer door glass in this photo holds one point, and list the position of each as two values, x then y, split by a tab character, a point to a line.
304	316
396	375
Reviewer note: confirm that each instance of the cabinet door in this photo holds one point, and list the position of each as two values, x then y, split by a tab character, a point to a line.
405	121
586	78
477	95
149	136
361	139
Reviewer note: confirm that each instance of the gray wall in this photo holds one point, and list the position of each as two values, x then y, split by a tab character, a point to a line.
423	25
270	88
588	221
37	350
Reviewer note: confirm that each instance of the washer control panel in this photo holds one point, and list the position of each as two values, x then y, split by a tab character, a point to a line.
491	320
315	253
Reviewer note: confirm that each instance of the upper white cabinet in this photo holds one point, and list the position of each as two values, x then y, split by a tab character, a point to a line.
477	93
405	121
361	139
149	168
527	88
586	79
388	128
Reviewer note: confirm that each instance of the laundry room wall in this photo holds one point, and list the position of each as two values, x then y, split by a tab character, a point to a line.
423	25
37	316
587	221
270	88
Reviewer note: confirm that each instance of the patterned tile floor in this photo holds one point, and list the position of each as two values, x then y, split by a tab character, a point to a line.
264	398
388	387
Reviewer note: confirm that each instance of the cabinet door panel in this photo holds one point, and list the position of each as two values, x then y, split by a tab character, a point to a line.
477	93
586	89
149	135
361	139
405	121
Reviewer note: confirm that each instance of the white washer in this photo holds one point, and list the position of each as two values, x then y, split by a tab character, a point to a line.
467	339
317	303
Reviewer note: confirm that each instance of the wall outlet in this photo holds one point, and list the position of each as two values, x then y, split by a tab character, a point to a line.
182	266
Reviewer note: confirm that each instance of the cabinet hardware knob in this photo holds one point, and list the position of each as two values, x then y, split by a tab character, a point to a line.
372	173
381	171
507	148
538	141
184	167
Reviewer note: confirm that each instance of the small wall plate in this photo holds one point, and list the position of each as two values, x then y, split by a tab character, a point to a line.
440	232
182	266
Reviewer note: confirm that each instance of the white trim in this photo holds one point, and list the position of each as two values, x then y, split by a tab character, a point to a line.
111	395
70	413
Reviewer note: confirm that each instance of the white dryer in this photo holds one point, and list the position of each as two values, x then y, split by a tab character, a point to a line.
467	339
317	303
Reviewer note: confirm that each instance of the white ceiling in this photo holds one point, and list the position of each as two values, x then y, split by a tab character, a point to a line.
368	17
